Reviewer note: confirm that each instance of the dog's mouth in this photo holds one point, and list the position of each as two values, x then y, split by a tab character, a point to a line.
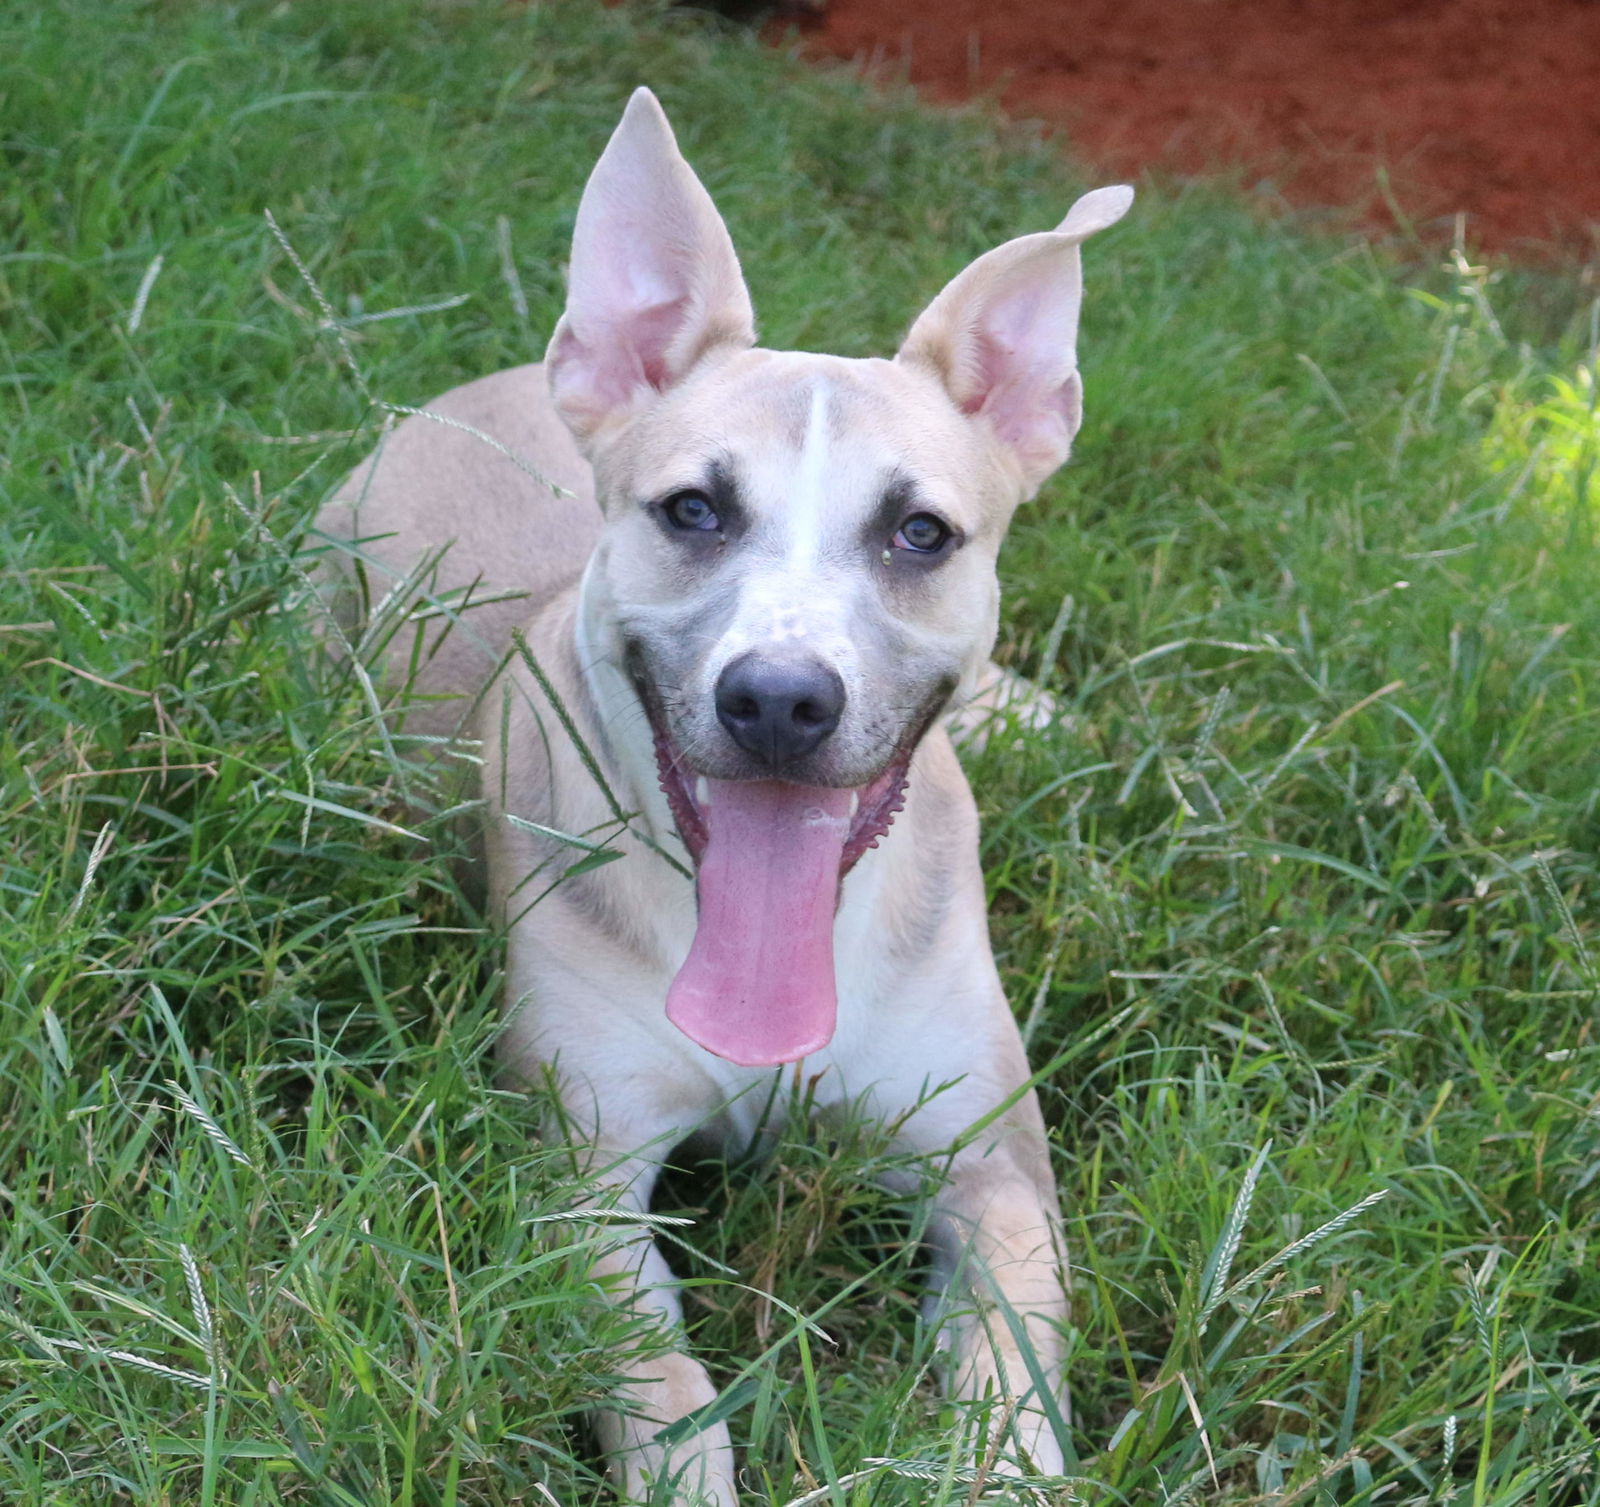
871	808
758	986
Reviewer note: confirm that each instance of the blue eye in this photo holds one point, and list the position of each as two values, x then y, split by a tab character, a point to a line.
922	533
691	510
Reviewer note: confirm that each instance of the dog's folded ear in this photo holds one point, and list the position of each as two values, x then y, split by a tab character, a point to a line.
1003	337
654	282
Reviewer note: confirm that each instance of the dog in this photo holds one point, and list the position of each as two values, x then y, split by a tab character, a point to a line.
708	608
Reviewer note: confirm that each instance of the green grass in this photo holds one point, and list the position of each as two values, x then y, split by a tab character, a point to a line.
1298	905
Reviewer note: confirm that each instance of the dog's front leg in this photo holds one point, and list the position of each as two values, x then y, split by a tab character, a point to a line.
661	1386
997	1240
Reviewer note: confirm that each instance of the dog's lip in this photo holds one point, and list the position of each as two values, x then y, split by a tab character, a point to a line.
877	803
675	777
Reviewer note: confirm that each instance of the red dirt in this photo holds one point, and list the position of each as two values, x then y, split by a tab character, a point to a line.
1489	108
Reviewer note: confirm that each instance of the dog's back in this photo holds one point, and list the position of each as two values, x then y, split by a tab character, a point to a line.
448	516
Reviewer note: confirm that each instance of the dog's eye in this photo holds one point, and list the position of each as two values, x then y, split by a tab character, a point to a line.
922	533
690	510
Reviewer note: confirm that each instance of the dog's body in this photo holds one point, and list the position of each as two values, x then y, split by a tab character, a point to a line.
772	575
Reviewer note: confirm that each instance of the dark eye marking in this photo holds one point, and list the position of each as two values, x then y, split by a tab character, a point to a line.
922	533
691	511
707	512
912	532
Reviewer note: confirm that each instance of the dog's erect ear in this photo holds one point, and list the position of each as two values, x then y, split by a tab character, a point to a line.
1003	336
654	283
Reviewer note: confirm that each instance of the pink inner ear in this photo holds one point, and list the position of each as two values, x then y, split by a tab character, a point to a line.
1008	390
609	369
1017	343
1022	412
651	332
1031	410
994	364
1023	367
1037	419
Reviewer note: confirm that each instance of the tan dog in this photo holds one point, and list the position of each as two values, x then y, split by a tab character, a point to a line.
788	578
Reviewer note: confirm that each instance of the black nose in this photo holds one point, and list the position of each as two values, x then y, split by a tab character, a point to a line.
778	709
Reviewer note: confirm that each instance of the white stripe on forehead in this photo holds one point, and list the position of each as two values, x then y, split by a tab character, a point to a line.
785	598
809	492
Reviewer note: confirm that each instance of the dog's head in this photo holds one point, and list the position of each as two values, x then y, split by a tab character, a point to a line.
797	569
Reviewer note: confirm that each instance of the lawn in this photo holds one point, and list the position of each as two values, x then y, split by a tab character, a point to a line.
1297	905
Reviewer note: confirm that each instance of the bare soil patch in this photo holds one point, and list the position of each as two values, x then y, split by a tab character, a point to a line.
1401	111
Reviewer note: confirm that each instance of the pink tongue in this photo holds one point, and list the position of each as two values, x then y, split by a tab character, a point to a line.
758	985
